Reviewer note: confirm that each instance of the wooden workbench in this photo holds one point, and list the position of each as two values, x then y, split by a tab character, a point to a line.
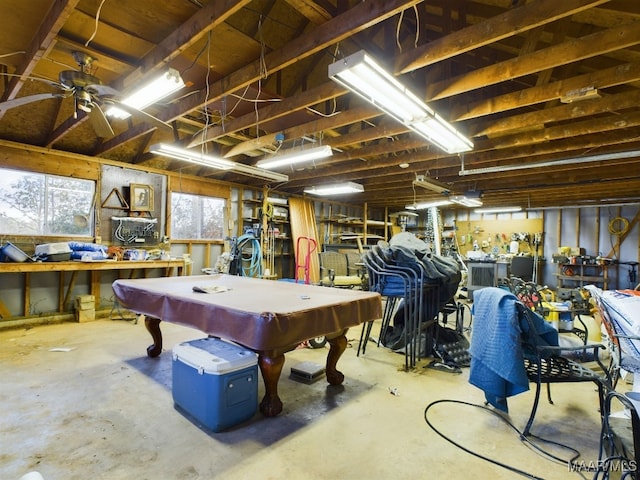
135	269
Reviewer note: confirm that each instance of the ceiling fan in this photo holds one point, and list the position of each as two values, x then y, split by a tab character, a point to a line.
89	95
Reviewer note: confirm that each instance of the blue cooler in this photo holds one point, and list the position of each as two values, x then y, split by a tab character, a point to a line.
215	382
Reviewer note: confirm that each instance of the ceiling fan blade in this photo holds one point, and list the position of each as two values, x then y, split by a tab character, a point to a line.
102	90
100	123
29	78
16	102
143	116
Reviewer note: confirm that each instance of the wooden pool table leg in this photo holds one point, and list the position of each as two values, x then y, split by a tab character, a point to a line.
153	327
337	346
271	368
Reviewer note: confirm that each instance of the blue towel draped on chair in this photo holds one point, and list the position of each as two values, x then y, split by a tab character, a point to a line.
497	354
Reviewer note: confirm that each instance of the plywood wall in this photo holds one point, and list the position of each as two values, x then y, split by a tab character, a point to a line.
497	233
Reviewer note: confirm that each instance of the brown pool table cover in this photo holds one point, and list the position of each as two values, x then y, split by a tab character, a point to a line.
260	314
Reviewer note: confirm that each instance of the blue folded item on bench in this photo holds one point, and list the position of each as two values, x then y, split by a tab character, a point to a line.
87	251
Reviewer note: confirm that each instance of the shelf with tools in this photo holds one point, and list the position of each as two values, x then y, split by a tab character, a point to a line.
268	221
572	275
346	224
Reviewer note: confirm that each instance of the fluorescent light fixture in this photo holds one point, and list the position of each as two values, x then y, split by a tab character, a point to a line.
159	88
498	210
335	189
466	201
403	214
200	158
425	205
259	173
362	75
429	184
297	156
192	156
552	163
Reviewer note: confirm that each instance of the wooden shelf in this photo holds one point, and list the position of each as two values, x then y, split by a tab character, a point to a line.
65	285
584	274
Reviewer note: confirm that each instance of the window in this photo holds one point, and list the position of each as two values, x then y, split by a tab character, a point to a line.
41	204
195	217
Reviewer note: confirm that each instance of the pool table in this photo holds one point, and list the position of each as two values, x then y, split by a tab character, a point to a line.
266	316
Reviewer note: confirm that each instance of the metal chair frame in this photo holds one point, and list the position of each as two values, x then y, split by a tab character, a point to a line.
546	364
615	446
379	275
418	293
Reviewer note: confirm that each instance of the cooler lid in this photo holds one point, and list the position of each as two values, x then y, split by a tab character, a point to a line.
53	248
214	355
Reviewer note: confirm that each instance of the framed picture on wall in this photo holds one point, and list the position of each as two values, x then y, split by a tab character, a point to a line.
141	197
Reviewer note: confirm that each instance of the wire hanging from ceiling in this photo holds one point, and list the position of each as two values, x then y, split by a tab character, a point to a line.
417	36
19	52
95	29
263	75
195	60
207	120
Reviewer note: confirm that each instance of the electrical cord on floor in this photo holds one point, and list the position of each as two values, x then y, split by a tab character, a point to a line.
520	435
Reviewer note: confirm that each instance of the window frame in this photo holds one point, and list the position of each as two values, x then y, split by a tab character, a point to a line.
44	219
199	221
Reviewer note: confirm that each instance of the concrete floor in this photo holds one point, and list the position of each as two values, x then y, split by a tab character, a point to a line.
82	400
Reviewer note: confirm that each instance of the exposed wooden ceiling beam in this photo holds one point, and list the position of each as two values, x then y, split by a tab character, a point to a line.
560	113
298	102
41	42
567	52
315	12
512	22
356	19
618	75
191	31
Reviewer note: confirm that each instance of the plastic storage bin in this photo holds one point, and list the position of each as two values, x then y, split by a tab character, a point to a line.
53	252
215	382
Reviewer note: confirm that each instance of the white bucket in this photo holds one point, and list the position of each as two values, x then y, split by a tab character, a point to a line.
593	327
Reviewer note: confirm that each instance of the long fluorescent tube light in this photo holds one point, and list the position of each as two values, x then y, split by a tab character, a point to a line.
192	156
363	76
425	205
200	158
259	173
498	210
298	156
430	184
335	189
466	201
551	163
155	90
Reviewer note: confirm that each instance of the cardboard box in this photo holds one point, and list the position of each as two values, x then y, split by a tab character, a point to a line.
571	251
85	315
85	308
215	382
85	302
